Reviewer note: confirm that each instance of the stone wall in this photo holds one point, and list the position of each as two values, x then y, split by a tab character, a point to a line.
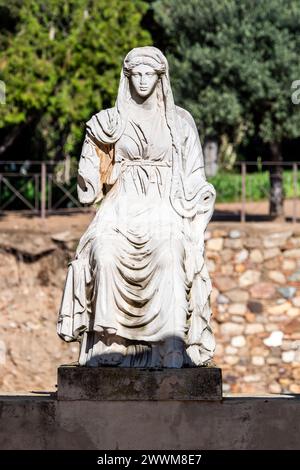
255	270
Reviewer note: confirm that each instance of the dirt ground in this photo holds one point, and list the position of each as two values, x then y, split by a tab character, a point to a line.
75	222
256	211
32	273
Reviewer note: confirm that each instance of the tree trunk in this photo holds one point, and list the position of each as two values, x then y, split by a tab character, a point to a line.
276	182
210	151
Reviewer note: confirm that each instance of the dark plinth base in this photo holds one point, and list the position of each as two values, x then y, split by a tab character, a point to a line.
114	383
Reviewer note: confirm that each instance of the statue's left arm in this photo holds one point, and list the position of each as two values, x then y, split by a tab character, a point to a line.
89	186
97	170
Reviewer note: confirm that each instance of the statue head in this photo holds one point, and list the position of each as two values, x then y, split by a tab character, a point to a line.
144	66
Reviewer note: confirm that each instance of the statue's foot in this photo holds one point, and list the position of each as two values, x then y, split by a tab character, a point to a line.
113	354
112	359
173	360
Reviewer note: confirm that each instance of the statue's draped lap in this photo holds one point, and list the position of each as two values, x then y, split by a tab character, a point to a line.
138	288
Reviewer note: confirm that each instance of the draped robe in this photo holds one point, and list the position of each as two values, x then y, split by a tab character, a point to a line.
139	275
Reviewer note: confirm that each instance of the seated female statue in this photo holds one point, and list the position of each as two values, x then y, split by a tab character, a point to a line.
137	292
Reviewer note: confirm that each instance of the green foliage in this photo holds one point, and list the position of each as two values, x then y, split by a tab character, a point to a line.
233	63
9	16
63	65
229	186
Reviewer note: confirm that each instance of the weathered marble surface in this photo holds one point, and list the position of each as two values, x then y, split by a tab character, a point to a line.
117	383
137	292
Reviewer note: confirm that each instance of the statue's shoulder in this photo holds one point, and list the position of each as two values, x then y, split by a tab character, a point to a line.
102	117
105	126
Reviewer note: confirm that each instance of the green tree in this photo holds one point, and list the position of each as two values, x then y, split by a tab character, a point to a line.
61	65
9	14
233	63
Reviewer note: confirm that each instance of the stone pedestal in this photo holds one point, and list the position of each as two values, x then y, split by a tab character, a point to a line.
119	384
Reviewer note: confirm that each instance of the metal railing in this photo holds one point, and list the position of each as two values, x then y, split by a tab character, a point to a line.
33	186
244	204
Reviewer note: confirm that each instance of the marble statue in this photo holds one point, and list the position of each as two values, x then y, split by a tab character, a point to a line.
137	292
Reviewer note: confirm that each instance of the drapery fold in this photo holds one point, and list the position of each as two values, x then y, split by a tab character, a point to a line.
192	202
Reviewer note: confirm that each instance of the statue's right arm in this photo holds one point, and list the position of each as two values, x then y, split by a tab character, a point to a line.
89	187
